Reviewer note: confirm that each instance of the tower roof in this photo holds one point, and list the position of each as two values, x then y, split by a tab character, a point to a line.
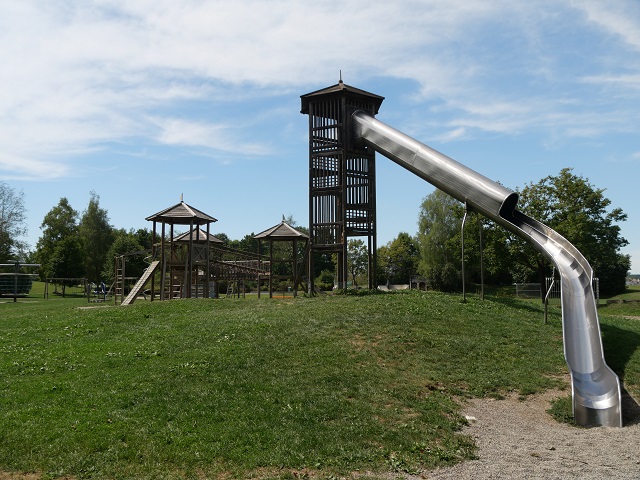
339	89
181	214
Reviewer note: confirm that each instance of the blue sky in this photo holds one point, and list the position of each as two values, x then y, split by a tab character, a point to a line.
144	100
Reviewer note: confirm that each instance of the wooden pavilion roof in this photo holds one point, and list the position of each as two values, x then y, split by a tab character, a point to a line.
282	231
198	236
181	214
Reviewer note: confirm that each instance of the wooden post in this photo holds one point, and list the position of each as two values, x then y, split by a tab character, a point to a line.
153	257
270	268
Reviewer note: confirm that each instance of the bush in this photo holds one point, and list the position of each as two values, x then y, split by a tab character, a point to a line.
324	281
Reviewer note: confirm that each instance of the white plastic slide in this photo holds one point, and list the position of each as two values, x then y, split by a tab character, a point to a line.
595	387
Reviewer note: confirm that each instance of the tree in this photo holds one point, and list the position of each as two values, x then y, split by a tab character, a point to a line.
58	224
247	244
581	213
66	260
97	236
224	237
439	225
566	203
398	260
498	264
12	226
144	237
128	242
322	262
357	259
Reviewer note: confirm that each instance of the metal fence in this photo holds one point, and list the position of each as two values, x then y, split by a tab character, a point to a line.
552	289
527	290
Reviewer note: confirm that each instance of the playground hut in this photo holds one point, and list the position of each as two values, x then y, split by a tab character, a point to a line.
201	240
185	271
284	264
198	237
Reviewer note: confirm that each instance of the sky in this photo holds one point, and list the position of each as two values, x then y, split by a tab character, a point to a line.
145	101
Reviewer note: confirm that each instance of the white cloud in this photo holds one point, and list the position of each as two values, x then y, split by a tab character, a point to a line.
32	169
79	74
626	81
451	135
174	131
618	18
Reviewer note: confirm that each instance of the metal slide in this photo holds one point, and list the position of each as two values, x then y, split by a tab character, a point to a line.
595	387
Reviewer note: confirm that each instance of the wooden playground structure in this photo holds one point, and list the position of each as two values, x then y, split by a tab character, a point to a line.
195	263
293	266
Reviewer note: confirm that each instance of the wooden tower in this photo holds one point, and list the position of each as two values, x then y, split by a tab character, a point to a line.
342	187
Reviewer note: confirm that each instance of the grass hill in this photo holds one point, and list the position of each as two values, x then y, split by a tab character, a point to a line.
332	385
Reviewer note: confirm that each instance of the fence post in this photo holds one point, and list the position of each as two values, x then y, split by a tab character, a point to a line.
464	220
549	289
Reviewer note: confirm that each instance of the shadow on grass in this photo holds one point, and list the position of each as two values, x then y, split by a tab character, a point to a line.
630	409
535	306
619	345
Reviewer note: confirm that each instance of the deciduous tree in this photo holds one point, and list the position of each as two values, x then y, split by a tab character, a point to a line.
12	222
97	236
128	242
567	203
59	223
66	261
398	260
581	213
439	224
357	259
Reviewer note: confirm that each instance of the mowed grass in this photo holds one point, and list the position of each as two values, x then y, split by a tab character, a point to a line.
631	294
327	387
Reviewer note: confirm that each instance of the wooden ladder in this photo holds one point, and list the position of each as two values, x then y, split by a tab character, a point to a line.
175	285
118	290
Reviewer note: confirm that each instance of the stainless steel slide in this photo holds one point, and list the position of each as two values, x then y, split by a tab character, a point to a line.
595	387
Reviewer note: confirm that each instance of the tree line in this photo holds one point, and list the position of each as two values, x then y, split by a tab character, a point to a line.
567	203
83	245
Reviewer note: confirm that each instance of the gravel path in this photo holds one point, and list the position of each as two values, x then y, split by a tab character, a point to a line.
518	439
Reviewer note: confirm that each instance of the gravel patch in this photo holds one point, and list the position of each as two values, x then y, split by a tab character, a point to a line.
519	439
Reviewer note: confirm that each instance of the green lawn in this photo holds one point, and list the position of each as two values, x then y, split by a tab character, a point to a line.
632	294
329	386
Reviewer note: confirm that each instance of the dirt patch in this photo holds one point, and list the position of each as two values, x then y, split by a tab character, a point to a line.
26	476
19	476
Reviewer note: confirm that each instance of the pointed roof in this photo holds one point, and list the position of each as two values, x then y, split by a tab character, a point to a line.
339	89
198	236
181	214
282	231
